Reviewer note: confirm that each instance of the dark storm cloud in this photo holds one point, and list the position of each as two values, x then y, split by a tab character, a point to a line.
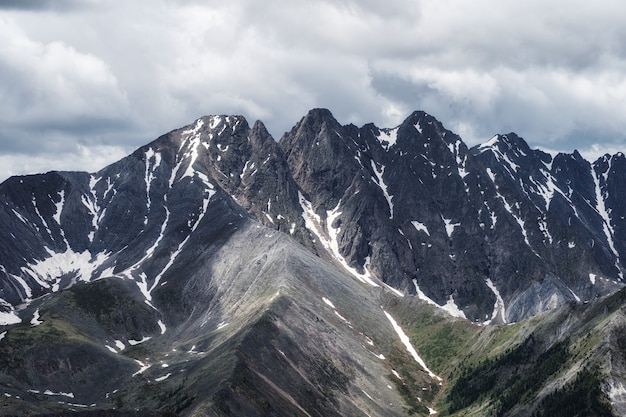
44	5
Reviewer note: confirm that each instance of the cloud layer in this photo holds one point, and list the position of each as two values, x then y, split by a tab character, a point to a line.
83	83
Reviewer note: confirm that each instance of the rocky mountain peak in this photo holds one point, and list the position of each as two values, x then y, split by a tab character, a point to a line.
409	205
316	124
260	266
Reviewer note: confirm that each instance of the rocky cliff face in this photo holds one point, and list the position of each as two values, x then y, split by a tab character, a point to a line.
499	231
215	252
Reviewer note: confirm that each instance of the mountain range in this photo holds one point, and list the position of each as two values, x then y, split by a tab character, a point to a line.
341	270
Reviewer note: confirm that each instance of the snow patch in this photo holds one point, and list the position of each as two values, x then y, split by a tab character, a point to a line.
8	318
398	293
2	335
163	378
387	138
576	297
420	227
449	226
138	342
490	144
35	320
455	149
592	278
518	219
19	216
367	395
48	272
379	356
450	307
91	203
215	121
143	284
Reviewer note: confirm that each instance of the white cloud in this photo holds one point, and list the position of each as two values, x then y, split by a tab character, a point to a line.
81	158
120	74
52	82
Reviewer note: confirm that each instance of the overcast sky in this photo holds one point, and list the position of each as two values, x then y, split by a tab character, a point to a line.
85	82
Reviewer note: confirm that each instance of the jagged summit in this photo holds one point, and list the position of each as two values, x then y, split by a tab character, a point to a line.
409	206
218	271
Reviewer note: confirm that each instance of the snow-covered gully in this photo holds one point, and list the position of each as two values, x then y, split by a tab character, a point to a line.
409	347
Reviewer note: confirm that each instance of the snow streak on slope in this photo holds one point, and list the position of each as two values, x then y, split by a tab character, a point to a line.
194	141
490	144
153	160
509	209
190	142
607	227
43	221
498	308
189	152
455	149
209	192
330	243
450	307
383	186
409	347
91	203
27	291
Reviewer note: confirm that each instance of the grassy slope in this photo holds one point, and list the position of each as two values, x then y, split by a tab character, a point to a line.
527	368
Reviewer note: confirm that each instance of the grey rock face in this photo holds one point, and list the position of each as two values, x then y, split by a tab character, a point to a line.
219	252
411	207
422	212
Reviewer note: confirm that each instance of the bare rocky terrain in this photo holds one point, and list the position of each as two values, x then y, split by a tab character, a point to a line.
342	270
